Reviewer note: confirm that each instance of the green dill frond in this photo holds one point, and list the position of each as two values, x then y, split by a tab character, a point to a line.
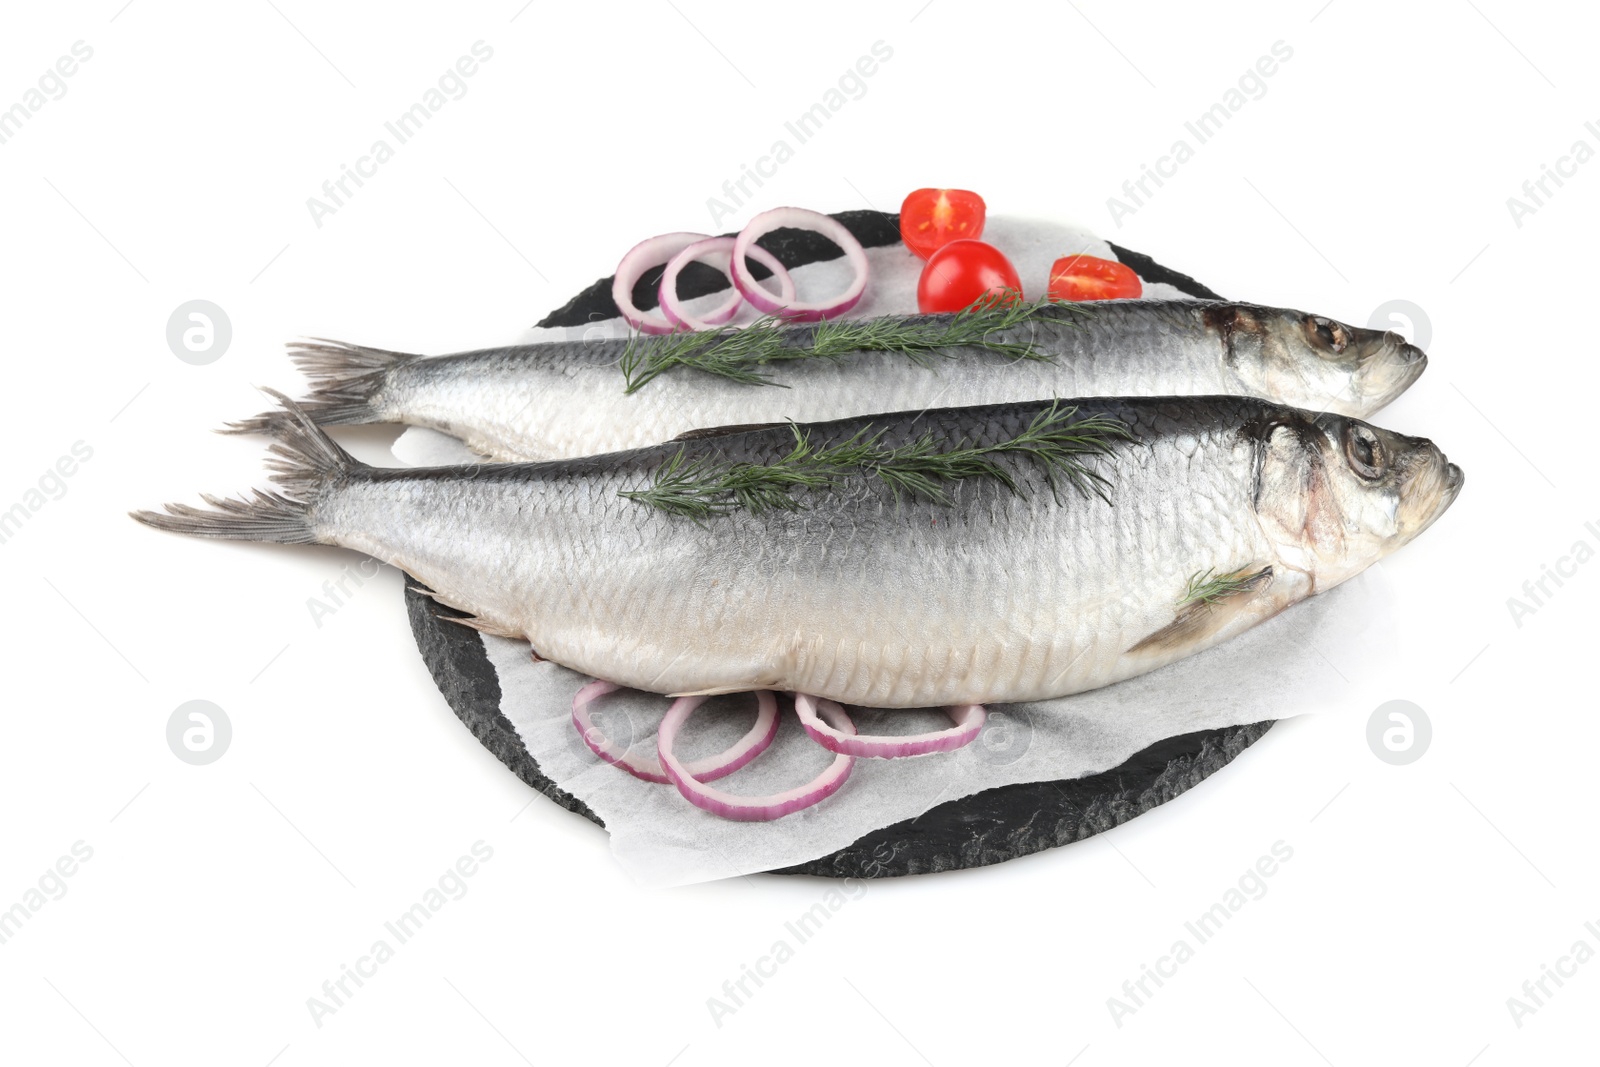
1208	587
1058	442
736	353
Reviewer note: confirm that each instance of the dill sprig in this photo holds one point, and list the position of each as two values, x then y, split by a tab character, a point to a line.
1208	587
1056	440
736	353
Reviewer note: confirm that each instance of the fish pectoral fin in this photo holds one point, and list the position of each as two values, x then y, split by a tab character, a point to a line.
1203	616
724	431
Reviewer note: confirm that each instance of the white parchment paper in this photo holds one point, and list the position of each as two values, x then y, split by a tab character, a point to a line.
1327	653
1336	650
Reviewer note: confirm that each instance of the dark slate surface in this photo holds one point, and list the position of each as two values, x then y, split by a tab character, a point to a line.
462	671
1151	271
1015	820
988	827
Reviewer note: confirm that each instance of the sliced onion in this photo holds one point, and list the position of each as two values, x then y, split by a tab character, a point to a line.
748	809
707	251
799	219
968	719
651	252
707	768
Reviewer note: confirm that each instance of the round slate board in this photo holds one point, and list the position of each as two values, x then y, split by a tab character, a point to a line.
988	827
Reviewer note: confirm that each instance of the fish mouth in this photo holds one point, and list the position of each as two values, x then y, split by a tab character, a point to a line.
1451	480
1390	370
1410	353
1454	479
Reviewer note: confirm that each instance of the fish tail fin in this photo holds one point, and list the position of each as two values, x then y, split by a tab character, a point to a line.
346	382
306	463
258	516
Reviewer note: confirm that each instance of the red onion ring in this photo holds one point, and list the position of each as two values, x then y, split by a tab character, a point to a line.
800	219
651	252
747	809
673	308
968	719
707	768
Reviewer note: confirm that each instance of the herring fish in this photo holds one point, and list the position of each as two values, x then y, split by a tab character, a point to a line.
1202	517
563	399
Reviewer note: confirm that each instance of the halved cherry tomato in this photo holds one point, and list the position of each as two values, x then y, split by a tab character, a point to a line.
932	218
1092	278
962	271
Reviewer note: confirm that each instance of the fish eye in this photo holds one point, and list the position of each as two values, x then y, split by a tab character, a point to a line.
1364	450
1325	333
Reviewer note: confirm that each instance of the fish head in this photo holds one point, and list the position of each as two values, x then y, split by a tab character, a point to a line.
1336	495
1315	362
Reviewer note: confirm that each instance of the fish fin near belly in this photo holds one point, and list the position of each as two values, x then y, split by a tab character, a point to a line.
721	690
472	622
724	431
1221	599
484	626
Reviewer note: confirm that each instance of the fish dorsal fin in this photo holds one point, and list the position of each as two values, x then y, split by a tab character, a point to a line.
1210	603
724	431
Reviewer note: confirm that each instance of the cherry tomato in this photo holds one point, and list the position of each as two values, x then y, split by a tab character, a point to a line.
960	273
1092	278
932	218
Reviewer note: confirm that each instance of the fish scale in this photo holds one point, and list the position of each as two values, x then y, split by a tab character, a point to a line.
863	596
813	566
568	398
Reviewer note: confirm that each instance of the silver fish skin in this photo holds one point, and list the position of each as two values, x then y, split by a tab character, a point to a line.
863	597
564	399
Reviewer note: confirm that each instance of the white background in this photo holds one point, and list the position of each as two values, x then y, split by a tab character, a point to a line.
1377	166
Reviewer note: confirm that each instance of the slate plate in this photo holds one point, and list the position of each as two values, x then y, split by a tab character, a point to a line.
987	827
